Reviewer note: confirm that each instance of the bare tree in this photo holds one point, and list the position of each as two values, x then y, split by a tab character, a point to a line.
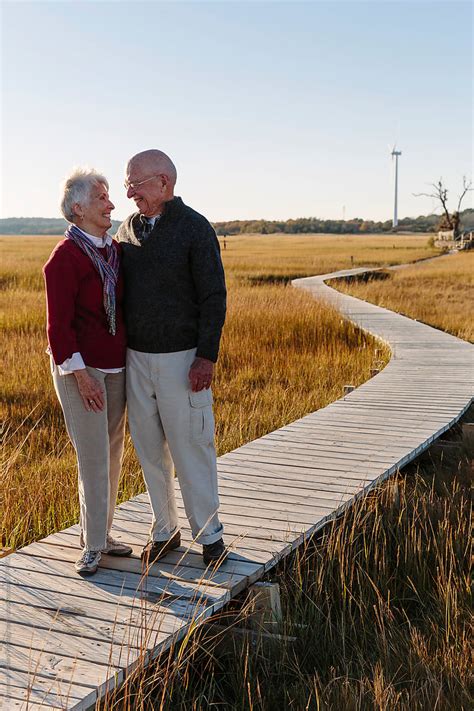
466	187
440	193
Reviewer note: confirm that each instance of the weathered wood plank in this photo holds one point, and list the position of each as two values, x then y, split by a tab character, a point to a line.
23	702
320	457
271	478
335	449
232	580
230	497
120	582
344	471
40	687
237	510
69	645
55	667
105	609
70	621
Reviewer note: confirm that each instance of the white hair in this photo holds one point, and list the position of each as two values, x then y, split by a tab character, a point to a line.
77	189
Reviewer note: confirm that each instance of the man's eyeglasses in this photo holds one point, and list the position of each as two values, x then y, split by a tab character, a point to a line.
137	183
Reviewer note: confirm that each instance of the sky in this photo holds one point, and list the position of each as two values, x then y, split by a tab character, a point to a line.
270	110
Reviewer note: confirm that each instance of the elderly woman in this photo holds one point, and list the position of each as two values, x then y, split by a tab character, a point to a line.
86	337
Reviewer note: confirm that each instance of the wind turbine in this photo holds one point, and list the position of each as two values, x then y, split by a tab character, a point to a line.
395	155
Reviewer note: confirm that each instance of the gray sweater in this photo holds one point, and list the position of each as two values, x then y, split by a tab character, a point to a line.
175	294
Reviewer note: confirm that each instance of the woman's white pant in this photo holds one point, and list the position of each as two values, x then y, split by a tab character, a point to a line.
98	440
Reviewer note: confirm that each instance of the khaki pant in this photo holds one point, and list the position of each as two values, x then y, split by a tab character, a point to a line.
98	440
169	423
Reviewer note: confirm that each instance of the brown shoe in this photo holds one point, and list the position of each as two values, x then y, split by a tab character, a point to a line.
154	550
214	552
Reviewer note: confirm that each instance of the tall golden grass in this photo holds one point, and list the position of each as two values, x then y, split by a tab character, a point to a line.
270	256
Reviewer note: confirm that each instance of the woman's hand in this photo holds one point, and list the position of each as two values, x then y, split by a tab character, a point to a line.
90	390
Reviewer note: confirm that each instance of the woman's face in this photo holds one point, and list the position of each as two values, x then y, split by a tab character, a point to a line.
97	212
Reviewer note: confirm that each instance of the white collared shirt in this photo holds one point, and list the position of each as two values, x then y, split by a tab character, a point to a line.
153	219
76	362
98	241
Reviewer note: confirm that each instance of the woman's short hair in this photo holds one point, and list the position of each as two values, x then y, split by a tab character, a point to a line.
77	188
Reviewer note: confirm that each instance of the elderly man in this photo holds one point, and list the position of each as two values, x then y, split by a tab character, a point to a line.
175	301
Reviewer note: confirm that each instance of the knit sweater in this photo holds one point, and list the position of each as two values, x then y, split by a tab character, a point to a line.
175	294
76	320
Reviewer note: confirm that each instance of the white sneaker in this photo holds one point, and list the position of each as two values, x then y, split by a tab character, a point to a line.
88	563
115	547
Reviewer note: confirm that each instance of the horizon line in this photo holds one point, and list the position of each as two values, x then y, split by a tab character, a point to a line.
253	219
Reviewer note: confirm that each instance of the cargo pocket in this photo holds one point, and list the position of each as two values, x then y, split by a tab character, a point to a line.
202	419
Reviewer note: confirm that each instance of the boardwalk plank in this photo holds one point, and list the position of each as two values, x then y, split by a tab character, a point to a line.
380	429
80	626
269	520
110	603
112	610
40	686
59	644
152	587
337	450
238	512
271	479
317	455
229	497
23	702
232	580
45	666
344	471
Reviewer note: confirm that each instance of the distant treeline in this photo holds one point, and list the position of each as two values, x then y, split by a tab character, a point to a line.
38	226
302	225
424	223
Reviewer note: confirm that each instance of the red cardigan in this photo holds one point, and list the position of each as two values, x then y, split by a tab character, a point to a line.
76	316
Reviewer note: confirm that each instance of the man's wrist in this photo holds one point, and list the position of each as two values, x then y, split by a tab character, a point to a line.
206	356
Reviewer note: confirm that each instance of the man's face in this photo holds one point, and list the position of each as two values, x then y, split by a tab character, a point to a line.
149	195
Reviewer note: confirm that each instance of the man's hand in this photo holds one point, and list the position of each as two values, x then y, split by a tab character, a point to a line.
200	374
90	391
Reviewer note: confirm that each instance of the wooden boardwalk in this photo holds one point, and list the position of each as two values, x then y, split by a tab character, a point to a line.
68	640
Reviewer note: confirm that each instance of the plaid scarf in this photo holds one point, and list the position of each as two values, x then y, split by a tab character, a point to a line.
108	269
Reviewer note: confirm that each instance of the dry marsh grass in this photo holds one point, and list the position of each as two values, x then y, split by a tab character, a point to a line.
440	293
255	257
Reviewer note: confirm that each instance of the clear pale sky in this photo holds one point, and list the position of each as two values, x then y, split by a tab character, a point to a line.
269	109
